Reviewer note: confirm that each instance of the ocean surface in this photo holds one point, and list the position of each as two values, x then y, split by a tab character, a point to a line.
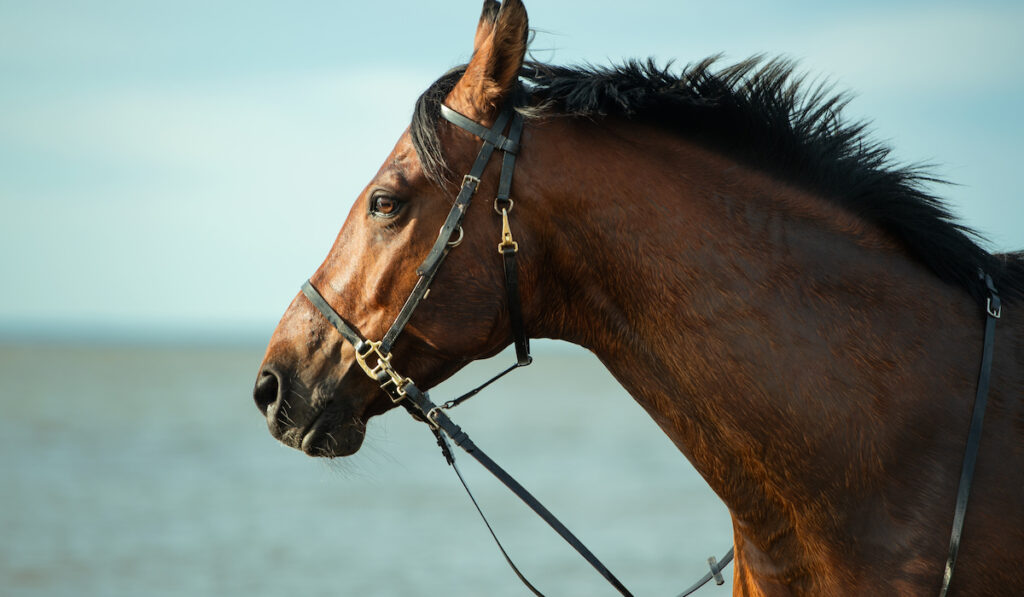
147	471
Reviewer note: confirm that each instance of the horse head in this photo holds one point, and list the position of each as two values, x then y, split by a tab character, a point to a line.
311	387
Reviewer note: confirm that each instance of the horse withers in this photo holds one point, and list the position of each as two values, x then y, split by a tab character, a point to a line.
800	316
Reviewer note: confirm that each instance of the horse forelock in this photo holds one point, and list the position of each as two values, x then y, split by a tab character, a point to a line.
423	130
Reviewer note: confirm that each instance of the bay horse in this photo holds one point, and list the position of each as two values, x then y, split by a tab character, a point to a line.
797	313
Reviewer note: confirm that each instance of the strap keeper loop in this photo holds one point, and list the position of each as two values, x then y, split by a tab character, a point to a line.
508	145
716	571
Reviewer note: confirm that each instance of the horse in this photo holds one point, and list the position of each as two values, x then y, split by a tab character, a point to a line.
798	314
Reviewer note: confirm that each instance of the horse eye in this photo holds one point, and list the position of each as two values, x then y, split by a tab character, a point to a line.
384	206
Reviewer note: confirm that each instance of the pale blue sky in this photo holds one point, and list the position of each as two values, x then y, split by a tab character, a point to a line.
181	166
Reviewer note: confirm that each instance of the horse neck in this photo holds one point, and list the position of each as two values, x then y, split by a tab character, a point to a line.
780	342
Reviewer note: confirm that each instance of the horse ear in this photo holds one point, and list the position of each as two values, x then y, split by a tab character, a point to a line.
486	26
499	49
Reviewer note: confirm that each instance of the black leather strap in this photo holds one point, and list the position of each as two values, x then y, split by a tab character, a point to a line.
330	314
492	135
515	308
993	312
508	162
402	319
457	401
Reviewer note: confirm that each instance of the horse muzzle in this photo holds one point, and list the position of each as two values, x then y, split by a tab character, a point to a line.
316	420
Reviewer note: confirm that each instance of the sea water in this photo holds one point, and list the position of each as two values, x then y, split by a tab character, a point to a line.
148	471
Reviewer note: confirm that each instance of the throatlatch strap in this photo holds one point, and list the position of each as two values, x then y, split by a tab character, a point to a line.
993	311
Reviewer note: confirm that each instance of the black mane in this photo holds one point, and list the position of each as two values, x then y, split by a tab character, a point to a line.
761	113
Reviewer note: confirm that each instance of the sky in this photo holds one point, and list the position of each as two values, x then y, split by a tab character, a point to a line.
178	168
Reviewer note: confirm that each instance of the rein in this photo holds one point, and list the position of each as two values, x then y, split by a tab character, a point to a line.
374	357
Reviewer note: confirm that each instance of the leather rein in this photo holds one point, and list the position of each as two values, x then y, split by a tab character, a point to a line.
374	357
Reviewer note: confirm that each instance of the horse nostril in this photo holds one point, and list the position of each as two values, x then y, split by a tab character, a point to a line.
267	390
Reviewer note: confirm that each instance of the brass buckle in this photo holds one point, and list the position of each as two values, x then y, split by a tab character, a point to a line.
383	366
506	235
431	418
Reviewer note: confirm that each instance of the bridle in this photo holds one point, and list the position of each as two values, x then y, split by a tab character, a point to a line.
382	371
374	357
